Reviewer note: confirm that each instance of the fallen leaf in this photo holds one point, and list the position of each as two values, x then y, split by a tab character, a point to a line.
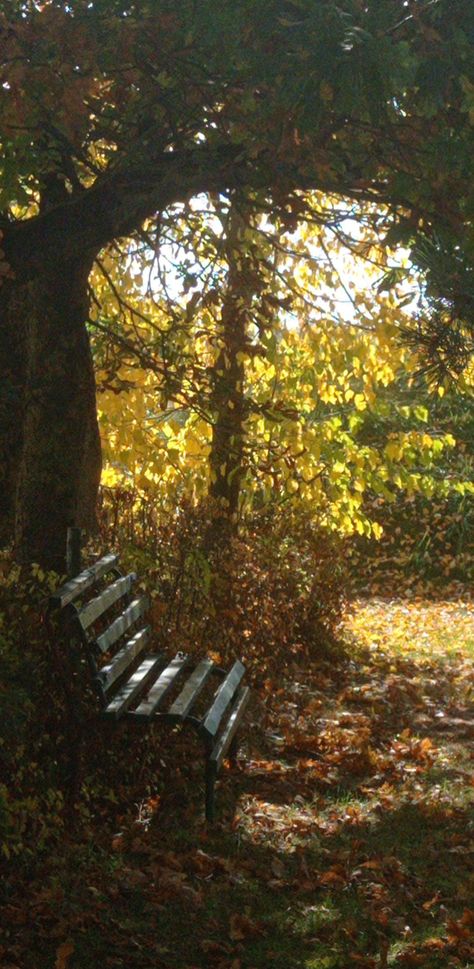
462	928
335	876
213	948
432	901
241	927
63	954
278	868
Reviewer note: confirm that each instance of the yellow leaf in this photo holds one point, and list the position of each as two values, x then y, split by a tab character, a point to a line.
193	445
393	450
360	402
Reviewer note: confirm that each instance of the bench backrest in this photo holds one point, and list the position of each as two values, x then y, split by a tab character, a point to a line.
101	609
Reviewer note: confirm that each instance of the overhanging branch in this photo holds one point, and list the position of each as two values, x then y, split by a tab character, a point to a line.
119	201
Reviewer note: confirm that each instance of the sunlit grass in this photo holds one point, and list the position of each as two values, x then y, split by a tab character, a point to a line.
414	627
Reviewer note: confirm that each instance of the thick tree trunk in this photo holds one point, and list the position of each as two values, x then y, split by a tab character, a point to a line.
51	437
49	444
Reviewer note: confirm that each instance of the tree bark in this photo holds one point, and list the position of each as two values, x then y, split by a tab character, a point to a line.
228	399
12	383
49	432
227	448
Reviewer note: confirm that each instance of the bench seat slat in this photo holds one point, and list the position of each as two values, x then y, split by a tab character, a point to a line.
124	658
81	583
162	687
119	626
223	697
231	727
184	702
97	606
141	680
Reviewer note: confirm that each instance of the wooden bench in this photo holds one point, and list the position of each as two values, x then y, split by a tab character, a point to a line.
100	613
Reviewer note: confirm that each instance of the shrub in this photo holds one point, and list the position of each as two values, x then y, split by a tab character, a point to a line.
426	546
277	594
30	712
56	767
272	594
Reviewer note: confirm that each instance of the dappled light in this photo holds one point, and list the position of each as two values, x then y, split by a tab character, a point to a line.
344	831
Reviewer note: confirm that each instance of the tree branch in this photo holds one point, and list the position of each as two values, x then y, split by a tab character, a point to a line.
119	201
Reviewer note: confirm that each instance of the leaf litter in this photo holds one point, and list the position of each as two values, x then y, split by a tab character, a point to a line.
345	839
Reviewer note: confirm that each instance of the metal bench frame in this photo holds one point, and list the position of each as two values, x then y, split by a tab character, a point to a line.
133	684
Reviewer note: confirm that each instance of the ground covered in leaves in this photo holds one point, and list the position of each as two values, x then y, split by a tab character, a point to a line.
344	839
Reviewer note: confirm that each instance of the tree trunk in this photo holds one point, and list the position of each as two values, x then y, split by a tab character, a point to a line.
49	443
50	435
228	400
227	448
12	383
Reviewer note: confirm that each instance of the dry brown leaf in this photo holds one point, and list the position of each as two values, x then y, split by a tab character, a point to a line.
63	954
202	863
306	885
213	948
335	876
432	901
278	868
462	928
241	927
364	962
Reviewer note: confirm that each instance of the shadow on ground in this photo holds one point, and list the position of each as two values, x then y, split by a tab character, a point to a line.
342	842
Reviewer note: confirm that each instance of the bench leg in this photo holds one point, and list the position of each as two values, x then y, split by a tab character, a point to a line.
210	782
233	751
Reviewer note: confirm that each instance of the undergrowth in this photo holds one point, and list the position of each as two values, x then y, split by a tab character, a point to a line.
273	597
274	593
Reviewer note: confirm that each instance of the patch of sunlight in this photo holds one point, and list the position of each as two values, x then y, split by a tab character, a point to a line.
414	626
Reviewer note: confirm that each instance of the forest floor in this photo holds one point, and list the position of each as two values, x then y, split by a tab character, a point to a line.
343	840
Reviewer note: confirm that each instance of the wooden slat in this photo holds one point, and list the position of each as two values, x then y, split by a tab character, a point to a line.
184	702
223	697
96	607
162	687
124	658
120	625
75	587
231	727
141	680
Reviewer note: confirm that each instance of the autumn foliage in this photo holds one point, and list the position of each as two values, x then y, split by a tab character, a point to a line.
273	594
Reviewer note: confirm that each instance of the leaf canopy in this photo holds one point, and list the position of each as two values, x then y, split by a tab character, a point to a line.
112	111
